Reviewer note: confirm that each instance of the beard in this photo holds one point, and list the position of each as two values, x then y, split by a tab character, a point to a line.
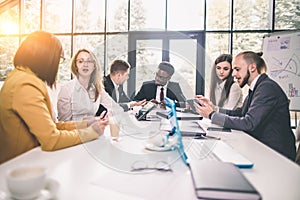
246	79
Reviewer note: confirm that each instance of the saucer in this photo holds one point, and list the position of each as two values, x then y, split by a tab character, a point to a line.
160	143
49	192
153	147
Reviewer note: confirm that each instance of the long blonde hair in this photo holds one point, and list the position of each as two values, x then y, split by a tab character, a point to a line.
96	78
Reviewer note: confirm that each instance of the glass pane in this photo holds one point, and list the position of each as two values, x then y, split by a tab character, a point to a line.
251	14
117	48
89	15
8	47
185	15
31	20
117	15
218	15
92	43
148	56
216	44
287	15
58	16
247	42
64	70
147	14
9	21
183	58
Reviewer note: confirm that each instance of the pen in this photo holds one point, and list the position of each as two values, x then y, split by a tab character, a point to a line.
208	137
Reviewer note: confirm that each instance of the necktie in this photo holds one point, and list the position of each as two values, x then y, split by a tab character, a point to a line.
161	96
120	90
249	98
250	94
114	95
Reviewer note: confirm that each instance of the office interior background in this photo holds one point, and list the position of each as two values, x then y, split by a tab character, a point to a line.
190	34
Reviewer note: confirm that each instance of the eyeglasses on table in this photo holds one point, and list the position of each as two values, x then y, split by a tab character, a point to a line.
161	166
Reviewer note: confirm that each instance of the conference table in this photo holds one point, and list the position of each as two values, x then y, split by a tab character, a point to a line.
102	168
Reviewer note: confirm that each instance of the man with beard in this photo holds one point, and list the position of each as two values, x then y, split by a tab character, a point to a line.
265	112
157	89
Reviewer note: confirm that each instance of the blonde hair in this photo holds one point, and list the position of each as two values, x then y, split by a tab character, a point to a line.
96	78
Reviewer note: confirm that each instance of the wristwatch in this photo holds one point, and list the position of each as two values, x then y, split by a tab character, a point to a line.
211	114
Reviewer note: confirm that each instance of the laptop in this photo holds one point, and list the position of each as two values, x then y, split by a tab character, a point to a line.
204	149
190	128
210	149
142	113
180	115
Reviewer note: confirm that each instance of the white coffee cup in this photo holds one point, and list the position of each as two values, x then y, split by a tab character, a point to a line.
26	182
158	138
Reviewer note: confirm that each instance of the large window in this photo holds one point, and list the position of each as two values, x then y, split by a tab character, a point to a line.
105	26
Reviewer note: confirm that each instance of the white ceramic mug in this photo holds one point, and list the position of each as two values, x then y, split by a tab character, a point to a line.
26	182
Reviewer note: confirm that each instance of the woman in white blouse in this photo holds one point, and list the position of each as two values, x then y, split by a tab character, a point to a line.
80	98
224	91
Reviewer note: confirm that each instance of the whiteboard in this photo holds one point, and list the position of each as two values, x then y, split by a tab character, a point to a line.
281	52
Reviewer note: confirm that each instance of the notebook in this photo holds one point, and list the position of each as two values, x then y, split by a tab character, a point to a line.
204	149
221	180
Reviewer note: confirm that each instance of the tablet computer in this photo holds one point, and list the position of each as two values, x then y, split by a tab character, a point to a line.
191	104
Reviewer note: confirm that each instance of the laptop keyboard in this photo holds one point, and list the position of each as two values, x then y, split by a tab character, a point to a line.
200	149
205	149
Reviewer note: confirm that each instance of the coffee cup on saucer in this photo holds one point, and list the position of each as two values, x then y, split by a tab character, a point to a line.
26	182
158	141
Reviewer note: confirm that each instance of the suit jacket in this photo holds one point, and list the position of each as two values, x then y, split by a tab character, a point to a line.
148	92
265	115
110	89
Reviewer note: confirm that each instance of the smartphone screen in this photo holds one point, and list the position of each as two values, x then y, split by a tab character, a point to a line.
100	110
105	112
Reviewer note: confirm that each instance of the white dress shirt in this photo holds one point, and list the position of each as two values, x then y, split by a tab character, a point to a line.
253	83
158	89
75	102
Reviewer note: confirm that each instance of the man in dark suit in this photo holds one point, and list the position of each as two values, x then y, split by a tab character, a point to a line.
157	89
113	84
265	112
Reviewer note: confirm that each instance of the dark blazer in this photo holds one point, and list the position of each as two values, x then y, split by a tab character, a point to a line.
148	92
265	115
110	89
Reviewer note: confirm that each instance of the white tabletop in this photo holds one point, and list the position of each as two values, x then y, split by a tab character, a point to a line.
101	169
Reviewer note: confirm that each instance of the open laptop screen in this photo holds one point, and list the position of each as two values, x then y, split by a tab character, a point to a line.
142	113
175	128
